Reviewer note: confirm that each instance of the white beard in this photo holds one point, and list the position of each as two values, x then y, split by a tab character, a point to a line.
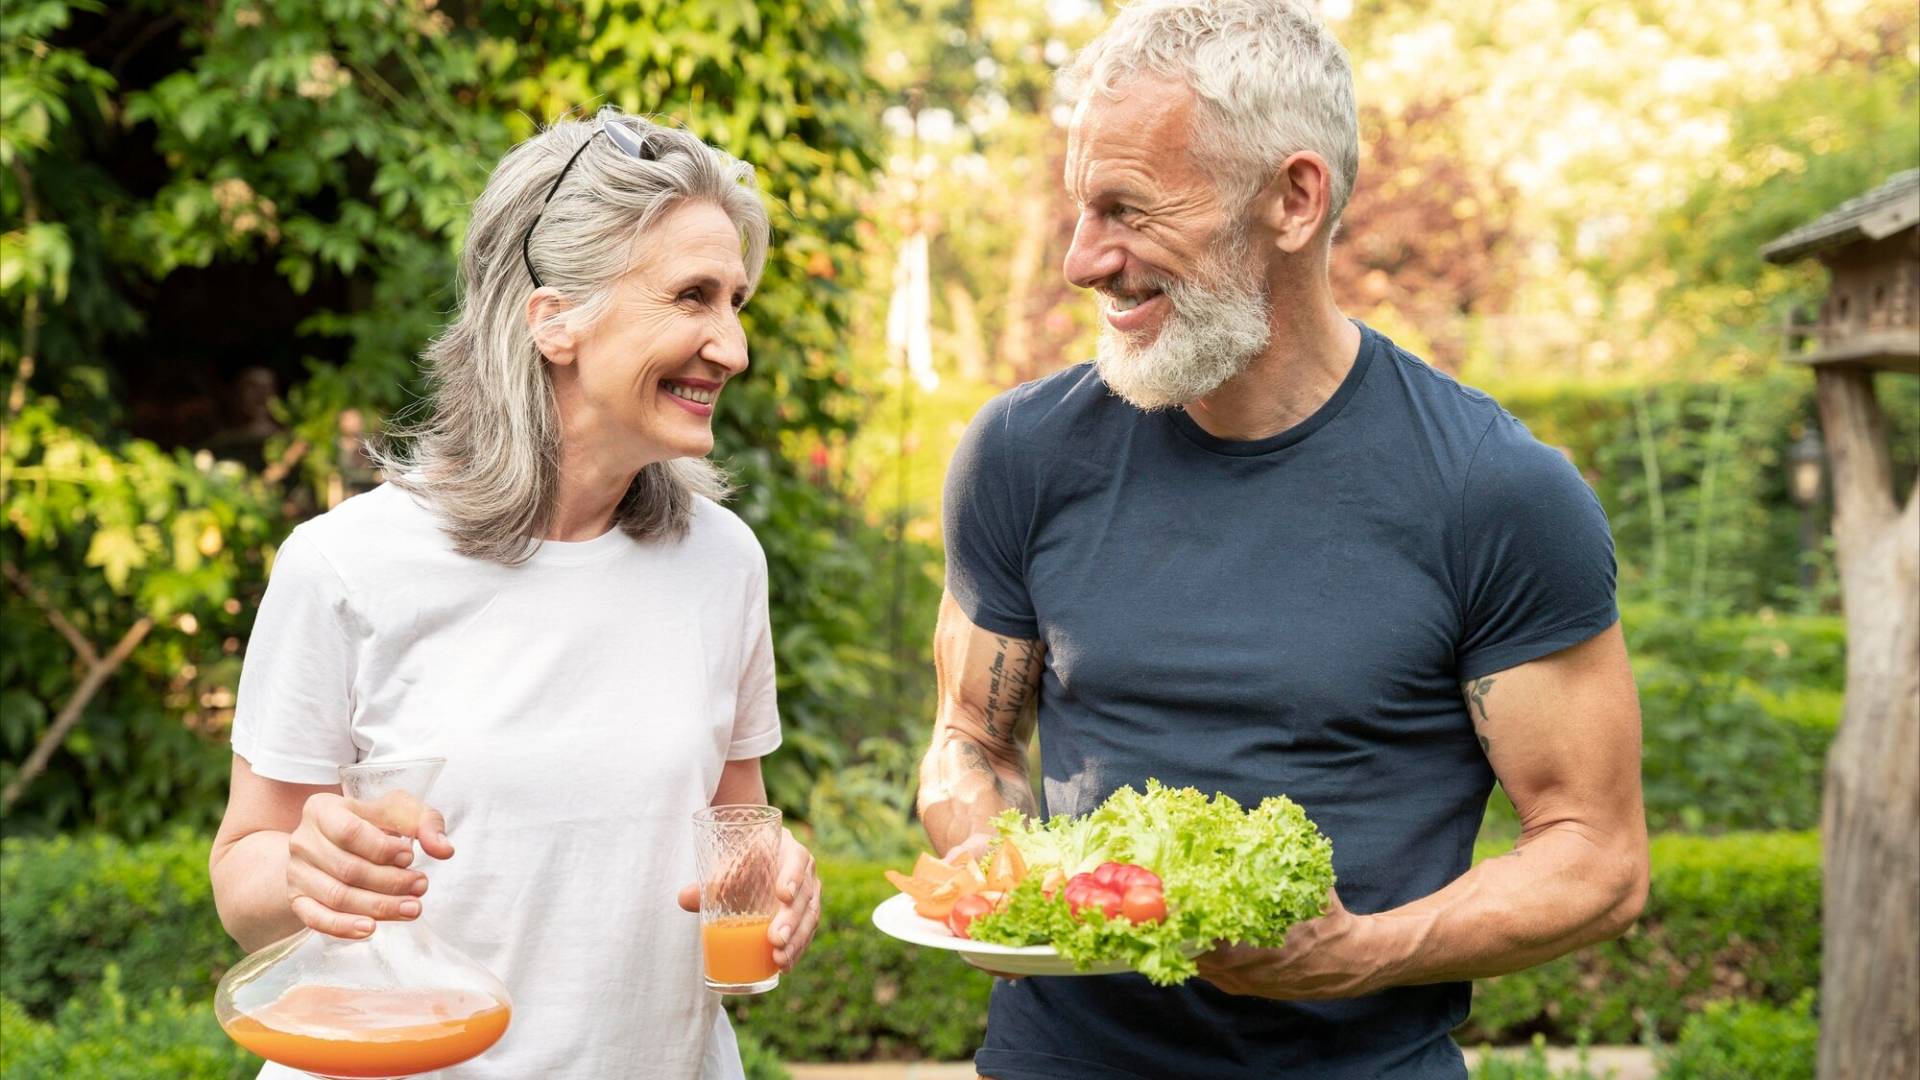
1216	328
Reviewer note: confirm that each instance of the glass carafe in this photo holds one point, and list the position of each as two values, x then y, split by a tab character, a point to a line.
394	1004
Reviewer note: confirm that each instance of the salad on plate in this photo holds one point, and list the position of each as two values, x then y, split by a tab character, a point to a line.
1145	882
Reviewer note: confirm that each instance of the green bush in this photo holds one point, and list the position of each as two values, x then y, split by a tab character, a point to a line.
1736	1040
1734	916
860	994
758	1062
74	905
105	1035
1533	1065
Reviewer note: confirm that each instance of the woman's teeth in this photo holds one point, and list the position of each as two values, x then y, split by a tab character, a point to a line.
704	397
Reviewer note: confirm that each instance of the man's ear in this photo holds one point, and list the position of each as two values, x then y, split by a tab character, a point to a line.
551	334
1295	204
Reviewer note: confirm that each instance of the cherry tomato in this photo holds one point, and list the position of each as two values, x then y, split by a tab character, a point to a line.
1139	875
1106	872
1093	895
1144	904
965	910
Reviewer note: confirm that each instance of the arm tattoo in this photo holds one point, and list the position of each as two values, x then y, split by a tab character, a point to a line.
1009	684
974	760
1477	691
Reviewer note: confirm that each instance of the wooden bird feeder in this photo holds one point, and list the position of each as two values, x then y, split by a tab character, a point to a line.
1870	818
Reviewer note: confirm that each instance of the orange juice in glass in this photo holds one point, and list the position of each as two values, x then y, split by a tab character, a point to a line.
737	850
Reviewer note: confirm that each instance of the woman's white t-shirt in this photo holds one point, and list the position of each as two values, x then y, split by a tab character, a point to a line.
585	702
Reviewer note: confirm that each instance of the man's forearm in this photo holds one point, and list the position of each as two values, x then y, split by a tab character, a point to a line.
250	889
963	788
1562	888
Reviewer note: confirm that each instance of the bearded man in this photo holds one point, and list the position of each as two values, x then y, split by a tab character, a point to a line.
1257	548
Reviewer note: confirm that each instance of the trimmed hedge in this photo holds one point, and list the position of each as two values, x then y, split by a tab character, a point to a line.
1734	916
75	905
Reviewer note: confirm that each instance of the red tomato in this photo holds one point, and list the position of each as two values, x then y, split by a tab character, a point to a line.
1144	904
1093	895
1140	875
965	910
1106	872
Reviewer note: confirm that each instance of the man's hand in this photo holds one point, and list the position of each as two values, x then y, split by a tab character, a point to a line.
1327	957
798	891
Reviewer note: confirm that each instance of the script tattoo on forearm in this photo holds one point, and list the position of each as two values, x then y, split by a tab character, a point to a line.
1477	691
1009	684
973	759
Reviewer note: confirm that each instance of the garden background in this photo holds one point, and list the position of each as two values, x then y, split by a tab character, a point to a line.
226	229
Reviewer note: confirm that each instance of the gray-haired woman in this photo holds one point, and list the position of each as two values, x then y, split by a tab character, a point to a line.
546	594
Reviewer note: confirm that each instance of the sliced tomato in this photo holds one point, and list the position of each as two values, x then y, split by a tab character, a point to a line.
965	910
1144	904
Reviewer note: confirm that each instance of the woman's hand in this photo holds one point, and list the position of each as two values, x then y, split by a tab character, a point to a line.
344	870
798	891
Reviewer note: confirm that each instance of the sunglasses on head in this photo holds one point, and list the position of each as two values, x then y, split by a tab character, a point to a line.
631	143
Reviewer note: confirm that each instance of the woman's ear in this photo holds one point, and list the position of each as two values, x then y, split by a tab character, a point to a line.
551	334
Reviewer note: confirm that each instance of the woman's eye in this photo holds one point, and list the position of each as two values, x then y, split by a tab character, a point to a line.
692	295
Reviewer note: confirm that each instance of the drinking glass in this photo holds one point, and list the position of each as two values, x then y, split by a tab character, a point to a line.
737	852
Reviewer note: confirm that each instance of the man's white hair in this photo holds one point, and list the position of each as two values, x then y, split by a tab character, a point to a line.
1270	79
488	455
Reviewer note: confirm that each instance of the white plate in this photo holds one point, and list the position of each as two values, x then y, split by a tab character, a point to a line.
895	917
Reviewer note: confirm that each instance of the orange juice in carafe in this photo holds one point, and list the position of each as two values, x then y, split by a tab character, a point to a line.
337	1031
398	1003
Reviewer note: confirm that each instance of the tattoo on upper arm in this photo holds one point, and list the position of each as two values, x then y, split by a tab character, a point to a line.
974	759
1010	679
1477	691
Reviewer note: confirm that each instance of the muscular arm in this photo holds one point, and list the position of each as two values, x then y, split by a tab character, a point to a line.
1563	735
977	765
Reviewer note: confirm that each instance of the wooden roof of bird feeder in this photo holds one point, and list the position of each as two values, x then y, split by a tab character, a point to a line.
1871	315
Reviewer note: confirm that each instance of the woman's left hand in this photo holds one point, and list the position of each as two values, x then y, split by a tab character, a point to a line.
798	891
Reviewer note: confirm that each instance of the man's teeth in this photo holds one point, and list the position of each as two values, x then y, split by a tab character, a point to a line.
1128	303
704	397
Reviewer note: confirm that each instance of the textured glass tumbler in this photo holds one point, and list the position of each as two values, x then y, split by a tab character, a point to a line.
737	851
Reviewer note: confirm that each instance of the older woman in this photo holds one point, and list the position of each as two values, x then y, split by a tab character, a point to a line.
547	594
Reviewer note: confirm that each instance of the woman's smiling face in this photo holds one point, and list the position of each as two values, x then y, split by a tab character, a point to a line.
643	383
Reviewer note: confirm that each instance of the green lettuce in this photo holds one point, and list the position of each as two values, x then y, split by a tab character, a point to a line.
1230	875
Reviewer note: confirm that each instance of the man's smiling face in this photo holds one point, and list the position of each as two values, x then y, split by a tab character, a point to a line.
1183	300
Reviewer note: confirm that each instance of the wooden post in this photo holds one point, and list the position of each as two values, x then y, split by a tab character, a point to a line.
1870	825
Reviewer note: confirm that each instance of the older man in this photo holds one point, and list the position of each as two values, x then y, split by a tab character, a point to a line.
1258	548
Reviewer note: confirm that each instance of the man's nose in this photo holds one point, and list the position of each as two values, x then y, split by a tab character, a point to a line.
1093	256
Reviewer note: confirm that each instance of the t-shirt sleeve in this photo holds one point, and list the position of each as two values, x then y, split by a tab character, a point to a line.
1538	568
293	719
756	718
985	533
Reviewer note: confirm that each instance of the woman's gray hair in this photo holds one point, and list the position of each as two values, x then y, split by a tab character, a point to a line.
1269	77
488	455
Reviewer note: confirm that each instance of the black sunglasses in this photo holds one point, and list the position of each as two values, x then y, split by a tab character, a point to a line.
631	144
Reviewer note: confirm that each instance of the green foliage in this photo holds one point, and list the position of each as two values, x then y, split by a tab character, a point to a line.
758	1062
1694	480
1532	1065
76	905
107	1034
1734	916
1735	1040
317	158
860	994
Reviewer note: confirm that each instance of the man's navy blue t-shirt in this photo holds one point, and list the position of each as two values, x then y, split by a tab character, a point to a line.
1293	615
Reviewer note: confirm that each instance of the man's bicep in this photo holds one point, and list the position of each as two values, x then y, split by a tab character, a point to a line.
988	682
1563	734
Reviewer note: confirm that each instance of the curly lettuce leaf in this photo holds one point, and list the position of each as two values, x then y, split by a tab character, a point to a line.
1230	875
